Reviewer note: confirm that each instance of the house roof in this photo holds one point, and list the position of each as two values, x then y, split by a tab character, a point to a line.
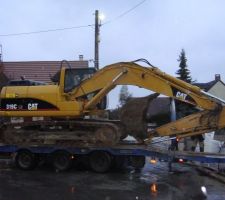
207	86
36	70
3	79
1	66
159	105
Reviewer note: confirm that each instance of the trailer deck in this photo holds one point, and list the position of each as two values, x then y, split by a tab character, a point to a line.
123	149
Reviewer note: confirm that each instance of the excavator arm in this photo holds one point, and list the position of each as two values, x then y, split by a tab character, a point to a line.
151	78
212	116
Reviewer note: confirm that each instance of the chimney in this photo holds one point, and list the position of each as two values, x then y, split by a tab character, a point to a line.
81	57
217	77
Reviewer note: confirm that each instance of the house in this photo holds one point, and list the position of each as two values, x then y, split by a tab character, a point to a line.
215	87
34	70
159	111
3	79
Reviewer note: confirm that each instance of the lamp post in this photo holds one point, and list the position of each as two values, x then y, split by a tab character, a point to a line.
98	20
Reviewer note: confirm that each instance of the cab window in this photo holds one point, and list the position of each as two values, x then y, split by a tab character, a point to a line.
73	77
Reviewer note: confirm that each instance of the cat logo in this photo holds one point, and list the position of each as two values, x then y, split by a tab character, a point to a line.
181	95
32	106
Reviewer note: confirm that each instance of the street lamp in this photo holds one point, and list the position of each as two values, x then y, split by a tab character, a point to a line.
101	17
98	19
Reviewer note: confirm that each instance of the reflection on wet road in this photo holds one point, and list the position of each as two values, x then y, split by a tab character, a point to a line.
153	182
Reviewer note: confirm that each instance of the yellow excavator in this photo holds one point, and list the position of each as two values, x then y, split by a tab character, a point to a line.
81	93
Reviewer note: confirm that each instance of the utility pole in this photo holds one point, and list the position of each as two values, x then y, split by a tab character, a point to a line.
97	27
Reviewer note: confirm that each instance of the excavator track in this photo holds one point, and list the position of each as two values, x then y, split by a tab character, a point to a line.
63	132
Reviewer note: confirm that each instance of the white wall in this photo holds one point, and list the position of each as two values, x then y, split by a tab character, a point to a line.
218	90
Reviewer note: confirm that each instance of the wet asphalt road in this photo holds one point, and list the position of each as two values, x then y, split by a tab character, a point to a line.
153	182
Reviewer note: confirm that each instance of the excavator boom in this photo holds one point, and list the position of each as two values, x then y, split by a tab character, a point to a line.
151	78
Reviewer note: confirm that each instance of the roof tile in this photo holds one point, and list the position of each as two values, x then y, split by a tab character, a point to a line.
37	70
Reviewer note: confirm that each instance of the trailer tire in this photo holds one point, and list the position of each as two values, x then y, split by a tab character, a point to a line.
25	160
62	160
119	162
100	161
137	162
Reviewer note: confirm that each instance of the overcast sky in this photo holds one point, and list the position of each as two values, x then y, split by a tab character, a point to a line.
156	30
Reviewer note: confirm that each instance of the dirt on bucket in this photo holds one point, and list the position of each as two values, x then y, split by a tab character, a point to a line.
133	116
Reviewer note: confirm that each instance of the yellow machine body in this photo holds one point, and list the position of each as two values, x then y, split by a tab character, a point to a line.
83	98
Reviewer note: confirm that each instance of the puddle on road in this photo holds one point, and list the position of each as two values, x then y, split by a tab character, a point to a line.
153	182
154	189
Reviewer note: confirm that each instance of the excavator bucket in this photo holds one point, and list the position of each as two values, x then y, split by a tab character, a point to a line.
133	116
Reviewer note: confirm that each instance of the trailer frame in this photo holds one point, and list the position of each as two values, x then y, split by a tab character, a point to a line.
126	149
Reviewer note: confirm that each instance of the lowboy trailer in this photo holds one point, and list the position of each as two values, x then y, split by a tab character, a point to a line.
100	158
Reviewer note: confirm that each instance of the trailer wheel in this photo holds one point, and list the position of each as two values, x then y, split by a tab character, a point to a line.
25	160
62	160
137	162
119	162
100	161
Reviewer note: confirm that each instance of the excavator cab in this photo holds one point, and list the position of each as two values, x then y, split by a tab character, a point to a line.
71	78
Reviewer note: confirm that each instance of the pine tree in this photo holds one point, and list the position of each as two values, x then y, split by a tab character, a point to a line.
124	95
183	71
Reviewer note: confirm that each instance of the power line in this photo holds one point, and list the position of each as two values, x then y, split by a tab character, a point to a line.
45	31
74	27
125	13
